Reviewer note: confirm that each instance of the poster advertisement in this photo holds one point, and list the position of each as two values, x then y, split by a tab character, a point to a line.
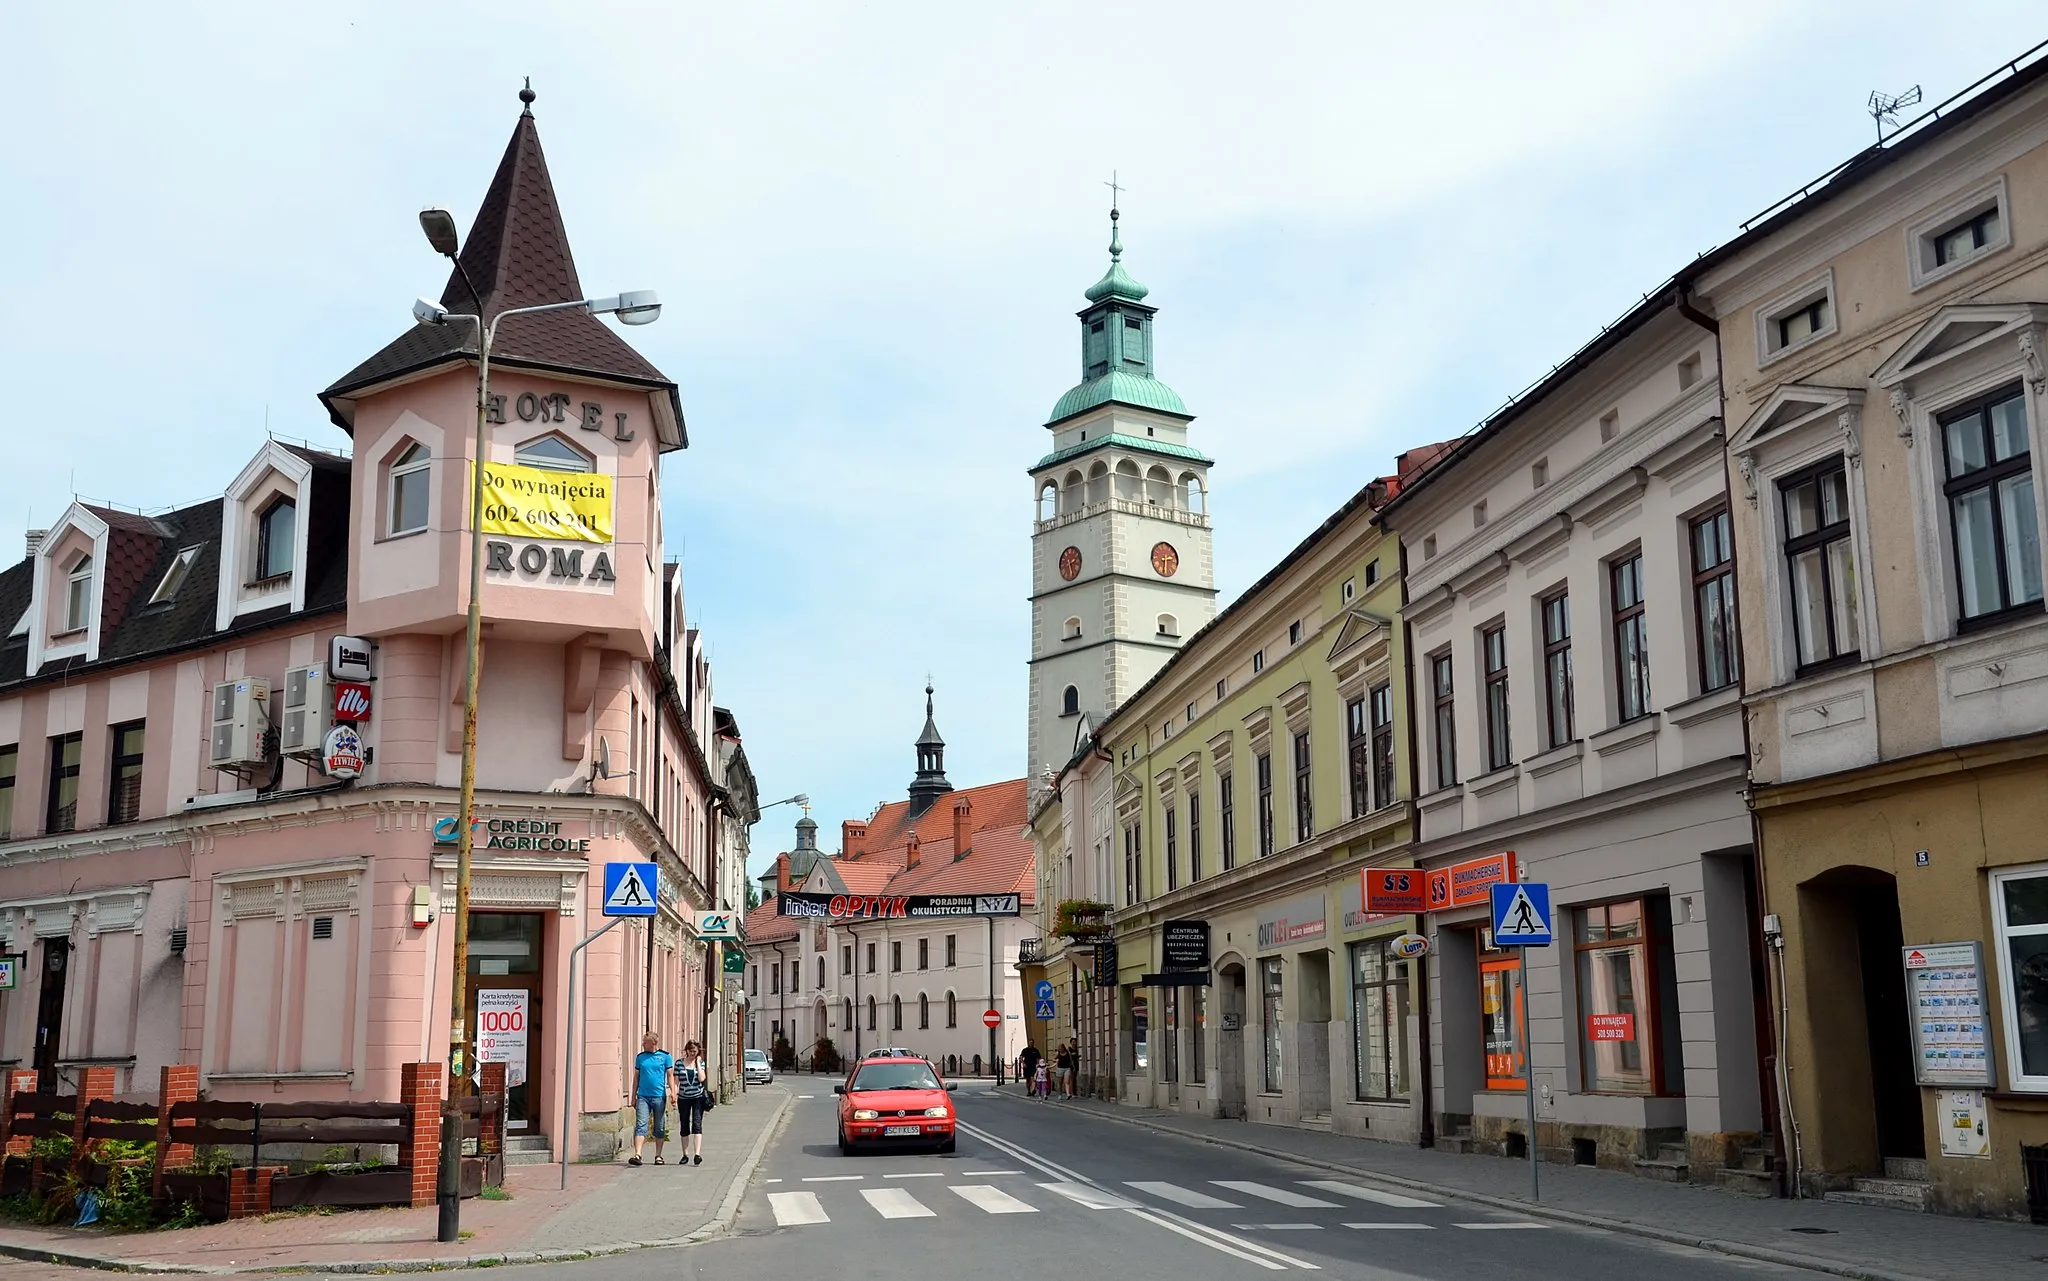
1945	994
1965	1123
501	1019
529	502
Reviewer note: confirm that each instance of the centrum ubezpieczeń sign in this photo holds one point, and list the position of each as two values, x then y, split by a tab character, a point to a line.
533	502
880	907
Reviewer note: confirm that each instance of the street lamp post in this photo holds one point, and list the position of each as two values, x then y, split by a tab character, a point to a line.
637	308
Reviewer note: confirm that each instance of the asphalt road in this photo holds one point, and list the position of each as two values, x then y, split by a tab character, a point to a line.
1035	1190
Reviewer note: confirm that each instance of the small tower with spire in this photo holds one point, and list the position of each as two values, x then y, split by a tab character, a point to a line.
1121	568
930	783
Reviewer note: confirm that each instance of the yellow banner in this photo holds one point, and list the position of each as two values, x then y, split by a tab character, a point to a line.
533	502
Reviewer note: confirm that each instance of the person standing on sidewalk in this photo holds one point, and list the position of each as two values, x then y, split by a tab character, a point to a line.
651	1068
1063	1069
1028	1061
693	1099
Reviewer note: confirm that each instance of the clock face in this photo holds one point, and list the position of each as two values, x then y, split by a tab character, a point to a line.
1165	560
1070	564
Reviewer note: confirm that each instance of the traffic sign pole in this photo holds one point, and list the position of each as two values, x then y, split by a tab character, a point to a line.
1529	1076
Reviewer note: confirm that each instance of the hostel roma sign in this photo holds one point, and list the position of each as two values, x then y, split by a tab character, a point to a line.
894	907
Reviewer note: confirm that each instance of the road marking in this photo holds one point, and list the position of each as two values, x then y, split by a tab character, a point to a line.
1497	1227
771	1180
895	1203
1278	1227
1215	1238
794	1208
807	1096
1093	1197
834	1178
1281	1195
1185	1196
918	1174
983	1174
992	1199
1389	1226
1373	1195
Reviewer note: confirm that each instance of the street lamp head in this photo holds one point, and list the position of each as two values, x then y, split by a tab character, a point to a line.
439	225
635	307
428	312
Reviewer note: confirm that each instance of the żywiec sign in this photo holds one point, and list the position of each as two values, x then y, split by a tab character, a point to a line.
878	907
515	834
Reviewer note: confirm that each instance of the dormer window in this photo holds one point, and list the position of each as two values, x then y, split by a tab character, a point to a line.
78	595
276	531
407	499
552	453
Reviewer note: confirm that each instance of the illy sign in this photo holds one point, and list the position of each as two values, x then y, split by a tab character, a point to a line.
348	658
351	701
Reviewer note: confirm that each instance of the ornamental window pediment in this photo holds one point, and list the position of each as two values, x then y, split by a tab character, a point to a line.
1957	344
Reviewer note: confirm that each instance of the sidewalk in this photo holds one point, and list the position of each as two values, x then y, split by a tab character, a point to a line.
606	1209
1845	1240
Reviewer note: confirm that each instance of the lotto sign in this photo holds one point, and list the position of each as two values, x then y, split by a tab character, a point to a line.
351	701
1610	1027
501	1030
1394	890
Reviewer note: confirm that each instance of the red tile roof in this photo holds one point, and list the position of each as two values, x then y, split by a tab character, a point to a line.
998	858
994	805
765	925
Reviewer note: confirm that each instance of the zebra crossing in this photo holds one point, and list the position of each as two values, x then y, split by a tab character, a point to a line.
803	1207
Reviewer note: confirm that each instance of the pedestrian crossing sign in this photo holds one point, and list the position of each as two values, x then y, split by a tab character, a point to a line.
1521	915
629	889
1044	1010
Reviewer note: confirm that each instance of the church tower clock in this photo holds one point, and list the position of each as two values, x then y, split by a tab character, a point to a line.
1121	570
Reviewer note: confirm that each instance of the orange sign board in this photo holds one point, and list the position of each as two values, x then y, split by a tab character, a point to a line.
1469	882
1394	890
1611	1027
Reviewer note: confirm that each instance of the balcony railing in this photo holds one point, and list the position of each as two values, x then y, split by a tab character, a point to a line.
1031	952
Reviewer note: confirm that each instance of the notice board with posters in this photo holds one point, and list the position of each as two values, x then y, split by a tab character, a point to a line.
1948	1012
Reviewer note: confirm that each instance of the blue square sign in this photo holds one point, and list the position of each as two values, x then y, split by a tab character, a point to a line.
1521	915
629	889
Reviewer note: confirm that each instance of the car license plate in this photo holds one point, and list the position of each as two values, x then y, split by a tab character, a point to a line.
902	1129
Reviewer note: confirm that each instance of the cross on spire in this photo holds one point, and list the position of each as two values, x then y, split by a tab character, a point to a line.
1115	190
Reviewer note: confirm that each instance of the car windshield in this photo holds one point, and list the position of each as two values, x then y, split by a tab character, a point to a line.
756	1056
895	1076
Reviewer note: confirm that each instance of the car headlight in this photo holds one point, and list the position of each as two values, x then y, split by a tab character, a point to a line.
866	1114
935	1111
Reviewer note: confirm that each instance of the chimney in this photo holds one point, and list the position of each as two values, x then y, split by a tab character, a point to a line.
910	853
782	874
851	833
963	814
35	540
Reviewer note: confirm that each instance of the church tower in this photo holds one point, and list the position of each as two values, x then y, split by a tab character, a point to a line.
1121	570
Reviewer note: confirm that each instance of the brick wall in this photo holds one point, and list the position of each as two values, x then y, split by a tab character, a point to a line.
419	1087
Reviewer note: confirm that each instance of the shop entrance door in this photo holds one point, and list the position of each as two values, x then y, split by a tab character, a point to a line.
1500	1015
504	1006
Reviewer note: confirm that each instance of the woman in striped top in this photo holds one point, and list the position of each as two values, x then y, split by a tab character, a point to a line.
692	1076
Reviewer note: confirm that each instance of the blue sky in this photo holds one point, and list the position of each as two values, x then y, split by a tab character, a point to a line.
1366	225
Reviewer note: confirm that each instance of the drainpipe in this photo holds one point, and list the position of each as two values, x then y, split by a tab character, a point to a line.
1426	1136
993	1057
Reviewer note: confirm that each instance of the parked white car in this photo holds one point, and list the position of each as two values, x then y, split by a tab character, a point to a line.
757	1069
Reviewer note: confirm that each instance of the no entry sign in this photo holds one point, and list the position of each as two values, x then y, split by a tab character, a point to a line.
991	1018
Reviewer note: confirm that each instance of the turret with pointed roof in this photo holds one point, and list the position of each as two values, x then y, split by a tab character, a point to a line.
517	254
930	783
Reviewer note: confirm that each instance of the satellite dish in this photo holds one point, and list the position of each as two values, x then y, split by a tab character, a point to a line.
602	767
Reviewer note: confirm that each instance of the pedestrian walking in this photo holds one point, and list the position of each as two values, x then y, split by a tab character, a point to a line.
693	1100
651	1069
1028	1063
1042	1082
1063	1070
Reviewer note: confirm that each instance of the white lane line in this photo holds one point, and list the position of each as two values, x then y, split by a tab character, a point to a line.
1281	1195
771	1180
834	1178
1373	1195
795	1208
1498	1227
1185	1196
1092	1197
1215	1238
1391	1227
983	1174
1278	1227
895	1203
917	1174
988	1197
807	1096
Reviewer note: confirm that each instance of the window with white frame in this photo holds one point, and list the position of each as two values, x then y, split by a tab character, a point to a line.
1989	484
2019	905
552	453
1791	321
406	499
78	595
1444	726
276	532
1960	232
1631	639
1821	565
1493	656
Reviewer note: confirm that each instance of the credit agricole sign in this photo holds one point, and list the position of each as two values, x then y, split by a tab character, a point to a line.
514	834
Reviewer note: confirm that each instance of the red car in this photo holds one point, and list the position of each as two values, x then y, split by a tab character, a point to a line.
895	1102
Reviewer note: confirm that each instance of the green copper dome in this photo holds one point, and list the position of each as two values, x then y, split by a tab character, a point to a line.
1141	390
1116	282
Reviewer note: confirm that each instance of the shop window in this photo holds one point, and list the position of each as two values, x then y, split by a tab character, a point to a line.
1169	1034
1500	1017
1198	1010
1141	1030
1379	1022
2020	906
1623	957
1271	987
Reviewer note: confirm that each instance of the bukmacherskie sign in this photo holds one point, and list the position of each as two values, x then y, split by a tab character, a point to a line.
884	907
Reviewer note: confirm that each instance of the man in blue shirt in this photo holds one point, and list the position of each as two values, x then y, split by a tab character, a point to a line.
651	1069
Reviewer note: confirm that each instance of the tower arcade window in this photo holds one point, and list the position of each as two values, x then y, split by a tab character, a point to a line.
1070	701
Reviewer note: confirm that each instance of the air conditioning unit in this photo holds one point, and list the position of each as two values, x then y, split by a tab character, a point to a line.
302	721
241	715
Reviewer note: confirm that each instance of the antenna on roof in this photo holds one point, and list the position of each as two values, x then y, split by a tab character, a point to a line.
1884	107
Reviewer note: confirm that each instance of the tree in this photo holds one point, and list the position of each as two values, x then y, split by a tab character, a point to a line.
753	895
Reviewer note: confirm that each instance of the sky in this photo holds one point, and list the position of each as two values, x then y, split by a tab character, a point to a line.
1366	226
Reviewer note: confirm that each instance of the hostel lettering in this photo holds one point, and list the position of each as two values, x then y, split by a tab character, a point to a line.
534	560
554	408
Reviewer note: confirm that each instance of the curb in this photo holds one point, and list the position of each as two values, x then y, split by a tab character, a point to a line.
716	1226
1534	1209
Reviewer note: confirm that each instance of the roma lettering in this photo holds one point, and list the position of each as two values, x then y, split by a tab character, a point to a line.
556	563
